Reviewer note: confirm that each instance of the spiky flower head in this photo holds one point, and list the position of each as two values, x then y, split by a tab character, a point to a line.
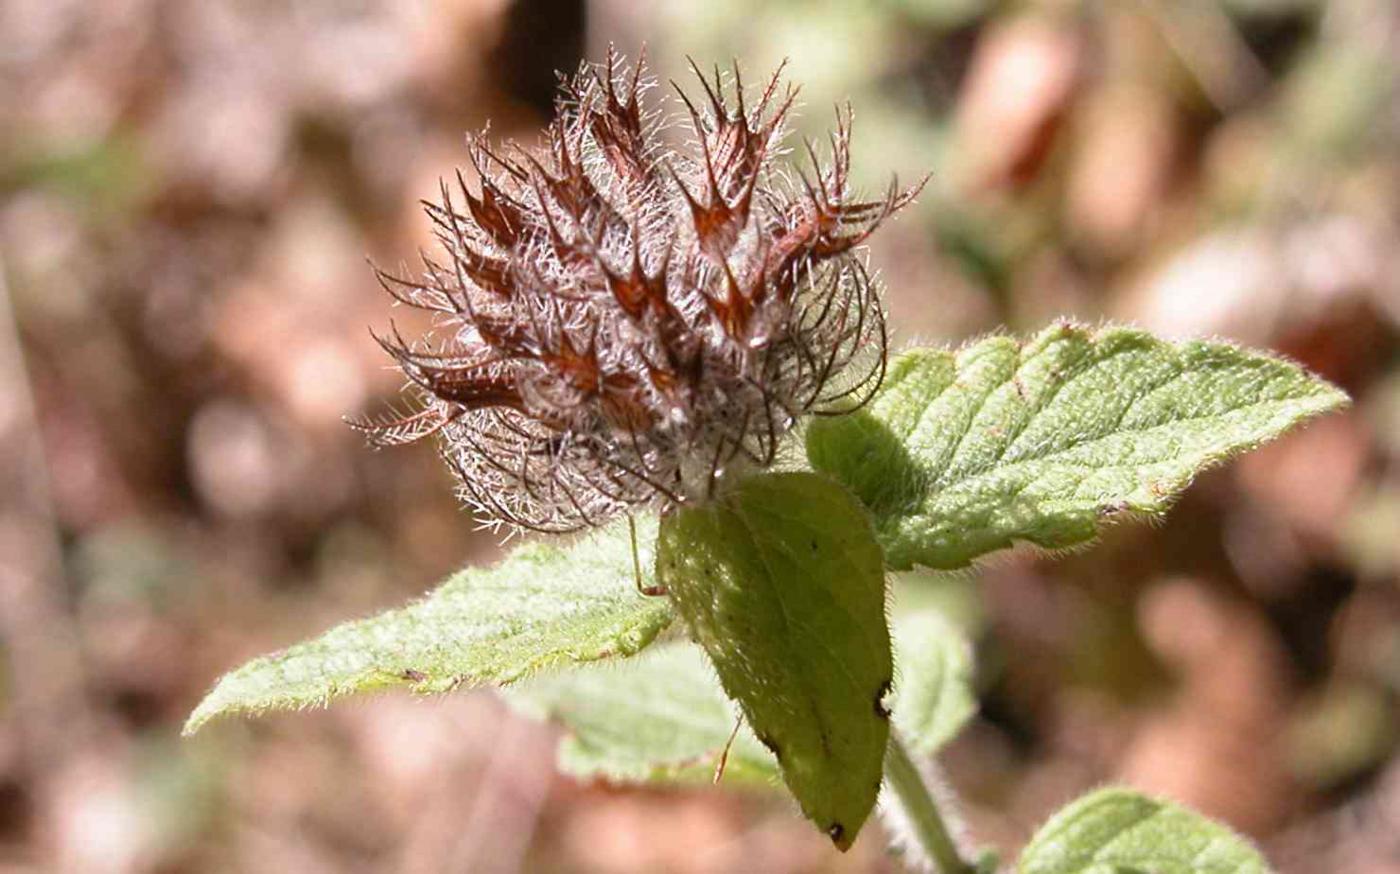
624	321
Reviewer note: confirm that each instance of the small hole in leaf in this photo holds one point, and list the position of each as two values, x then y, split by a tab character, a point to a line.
882	709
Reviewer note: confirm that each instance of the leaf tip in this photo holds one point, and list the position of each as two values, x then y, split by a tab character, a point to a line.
208	709
1333	397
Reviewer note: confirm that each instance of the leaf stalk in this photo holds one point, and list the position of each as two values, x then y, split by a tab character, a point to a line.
913	804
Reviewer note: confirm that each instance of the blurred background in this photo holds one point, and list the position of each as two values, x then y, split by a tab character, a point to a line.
188	193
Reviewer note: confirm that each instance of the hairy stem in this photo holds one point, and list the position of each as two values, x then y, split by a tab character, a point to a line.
912	814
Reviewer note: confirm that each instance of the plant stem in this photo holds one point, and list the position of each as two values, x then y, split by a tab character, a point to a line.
919	809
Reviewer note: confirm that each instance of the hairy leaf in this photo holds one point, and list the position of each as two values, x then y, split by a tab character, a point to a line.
1117	831
662	716
543	606
780	580
964	453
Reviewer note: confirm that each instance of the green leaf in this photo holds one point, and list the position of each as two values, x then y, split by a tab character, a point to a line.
780	580
543	606
662	716
658	717
933	687
1117	831
964	453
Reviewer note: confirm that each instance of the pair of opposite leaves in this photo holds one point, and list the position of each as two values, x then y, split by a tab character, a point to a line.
958	455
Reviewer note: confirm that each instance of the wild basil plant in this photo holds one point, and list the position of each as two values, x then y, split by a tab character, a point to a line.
681	353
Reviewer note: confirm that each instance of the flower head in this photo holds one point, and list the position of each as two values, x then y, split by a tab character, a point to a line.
623	321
